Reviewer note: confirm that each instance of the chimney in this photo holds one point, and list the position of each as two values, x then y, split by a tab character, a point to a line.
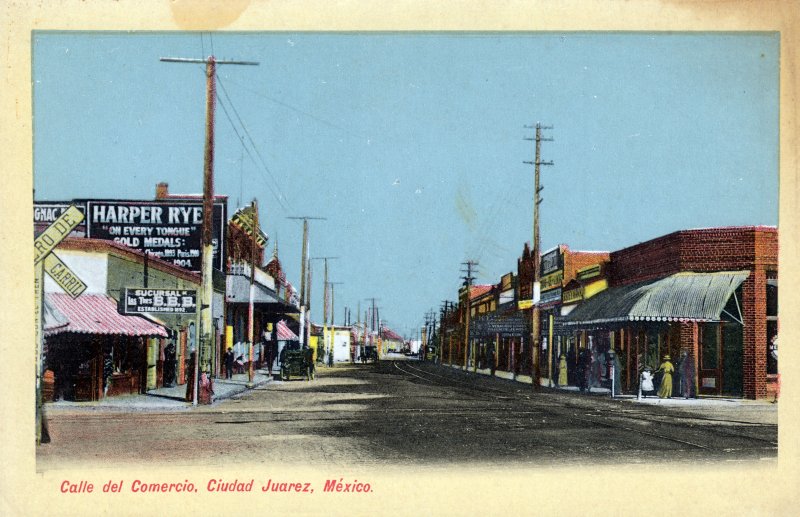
162	190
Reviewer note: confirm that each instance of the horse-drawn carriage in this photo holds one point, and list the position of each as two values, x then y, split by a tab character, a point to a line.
297	363
370	353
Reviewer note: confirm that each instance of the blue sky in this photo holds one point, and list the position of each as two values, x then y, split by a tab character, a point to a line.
412	144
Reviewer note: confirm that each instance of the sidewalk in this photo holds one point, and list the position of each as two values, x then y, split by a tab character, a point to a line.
173	398
755	411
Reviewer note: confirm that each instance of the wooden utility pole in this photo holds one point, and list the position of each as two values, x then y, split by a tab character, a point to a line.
333	317
536	345
305	279
206	284
468	287
250	321
324	300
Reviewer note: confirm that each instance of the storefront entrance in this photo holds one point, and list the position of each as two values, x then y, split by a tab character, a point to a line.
721	359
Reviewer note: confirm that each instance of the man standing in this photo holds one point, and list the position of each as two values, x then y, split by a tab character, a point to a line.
229	363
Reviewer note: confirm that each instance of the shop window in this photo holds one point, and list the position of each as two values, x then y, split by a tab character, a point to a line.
772	298
652	352
120	357
710	347
772	326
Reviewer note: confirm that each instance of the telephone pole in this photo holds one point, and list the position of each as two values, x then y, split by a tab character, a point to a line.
206	286
333	321
468	279
304	278
250	322
536	345
324	301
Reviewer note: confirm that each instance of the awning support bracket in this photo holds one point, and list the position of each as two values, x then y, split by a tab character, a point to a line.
740	319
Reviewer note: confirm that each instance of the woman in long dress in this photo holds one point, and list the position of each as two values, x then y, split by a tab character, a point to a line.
562	371
666	368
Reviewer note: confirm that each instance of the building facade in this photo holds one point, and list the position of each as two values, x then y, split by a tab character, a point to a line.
705	297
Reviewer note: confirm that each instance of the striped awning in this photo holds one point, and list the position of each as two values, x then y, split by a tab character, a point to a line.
678	297
284	333
95	314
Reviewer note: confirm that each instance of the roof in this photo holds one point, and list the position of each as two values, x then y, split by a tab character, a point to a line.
111	247
679	297
238	291
96	314
284	333
391	334
478	290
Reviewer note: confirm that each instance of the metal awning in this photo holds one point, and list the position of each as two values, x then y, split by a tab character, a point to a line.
238	291
678	297
95	314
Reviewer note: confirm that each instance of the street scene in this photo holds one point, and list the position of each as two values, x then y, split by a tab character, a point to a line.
407	413
405	249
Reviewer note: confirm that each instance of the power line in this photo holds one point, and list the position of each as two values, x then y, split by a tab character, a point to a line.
298	110
247	132
241	140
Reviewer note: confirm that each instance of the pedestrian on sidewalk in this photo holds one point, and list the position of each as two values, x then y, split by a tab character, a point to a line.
584	366
687	374
666	369
229	363
646	383
562	371
190	382
616	372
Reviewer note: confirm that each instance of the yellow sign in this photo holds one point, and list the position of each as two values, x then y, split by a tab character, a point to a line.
588	272
524	304
573	295
55	233
552	280
595	287
63	276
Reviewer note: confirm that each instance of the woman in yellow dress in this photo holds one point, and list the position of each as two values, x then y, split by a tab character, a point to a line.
562	371
666	368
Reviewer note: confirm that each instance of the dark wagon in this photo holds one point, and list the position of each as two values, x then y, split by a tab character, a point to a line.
297	364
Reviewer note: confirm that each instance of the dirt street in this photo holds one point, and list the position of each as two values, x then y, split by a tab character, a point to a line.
410	414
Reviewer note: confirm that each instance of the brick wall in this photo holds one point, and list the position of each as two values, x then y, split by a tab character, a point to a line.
753	248
575	260
712	249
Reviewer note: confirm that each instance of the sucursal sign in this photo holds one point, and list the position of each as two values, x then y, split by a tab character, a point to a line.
164	301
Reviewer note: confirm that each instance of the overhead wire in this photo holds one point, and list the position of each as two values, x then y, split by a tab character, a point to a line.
278	198
298	110
252	142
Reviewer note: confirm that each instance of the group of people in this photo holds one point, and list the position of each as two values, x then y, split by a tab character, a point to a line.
589	372
664	375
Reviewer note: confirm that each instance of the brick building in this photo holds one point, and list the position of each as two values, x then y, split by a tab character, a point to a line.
709	295
558	269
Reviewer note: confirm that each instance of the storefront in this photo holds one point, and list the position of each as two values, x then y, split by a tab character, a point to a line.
268	311
694	318
95	352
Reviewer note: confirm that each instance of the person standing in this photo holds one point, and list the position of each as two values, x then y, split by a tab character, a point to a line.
562	371
190	382
584	367
229	363
687	376
666	369
616	372
646	383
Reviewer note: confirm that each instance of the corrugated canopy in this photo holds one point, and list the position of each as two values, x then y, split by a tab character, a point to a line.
678	297
95	314
238	291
